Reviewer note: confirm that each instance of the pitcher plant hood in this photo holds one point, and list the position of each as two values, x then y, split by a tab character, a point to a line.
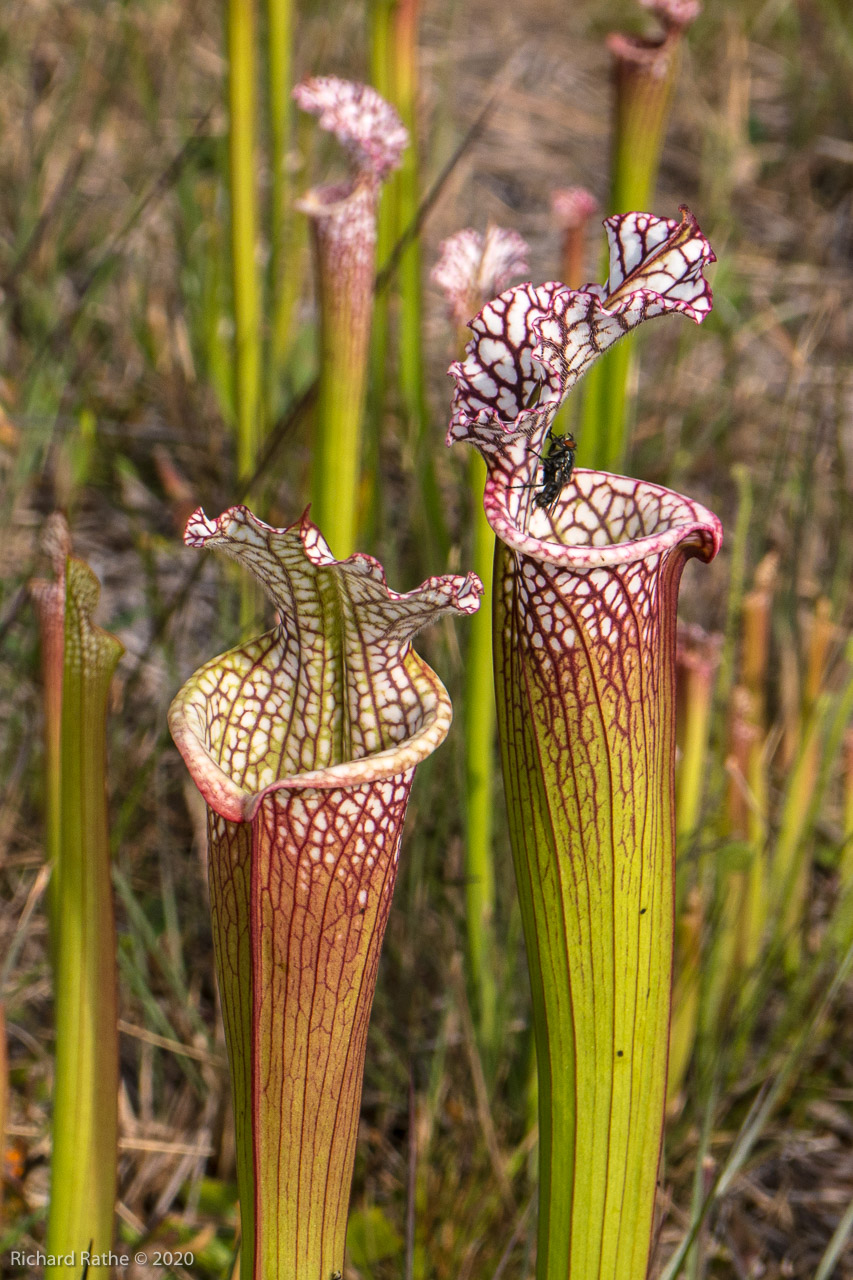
585	596
303	742
332	696
533	342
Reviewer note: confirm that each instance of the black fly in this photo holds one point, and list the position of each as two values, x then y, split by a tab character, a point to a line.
557	465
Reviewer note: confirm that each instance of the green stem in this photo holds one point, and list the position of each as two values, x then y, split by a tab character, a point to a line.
696	720
396	36
85	1100
479	779
644	79
280	18
345	264
241	148
381	25
686	991
412	384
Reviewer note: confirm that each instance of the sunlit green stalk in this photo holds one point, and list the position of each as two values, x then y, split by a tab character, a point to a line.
479	778
730	967
283	276
404	51
686	990
789	859
644	76
85	1098
473	267
242	80
381	75
395	34
698	659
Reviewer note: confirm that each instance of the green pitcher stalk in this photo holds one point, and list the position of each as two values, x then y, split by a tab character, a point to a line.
644	76
282	295
394	57
242	81
304	743
380	35
343	224
471	268
585	594
84	1155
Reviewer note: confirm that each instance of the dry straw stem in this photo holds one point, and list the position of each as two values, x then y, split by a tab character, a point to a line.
85	1108
585	598
304	743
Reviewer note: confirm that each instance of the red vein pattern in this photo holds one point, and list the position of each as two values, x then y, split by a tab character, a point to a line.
533	342
585	635
585	618
304	744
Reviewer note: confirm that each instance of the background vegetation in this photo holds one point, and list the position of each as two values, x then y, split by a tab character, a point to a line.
117	404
